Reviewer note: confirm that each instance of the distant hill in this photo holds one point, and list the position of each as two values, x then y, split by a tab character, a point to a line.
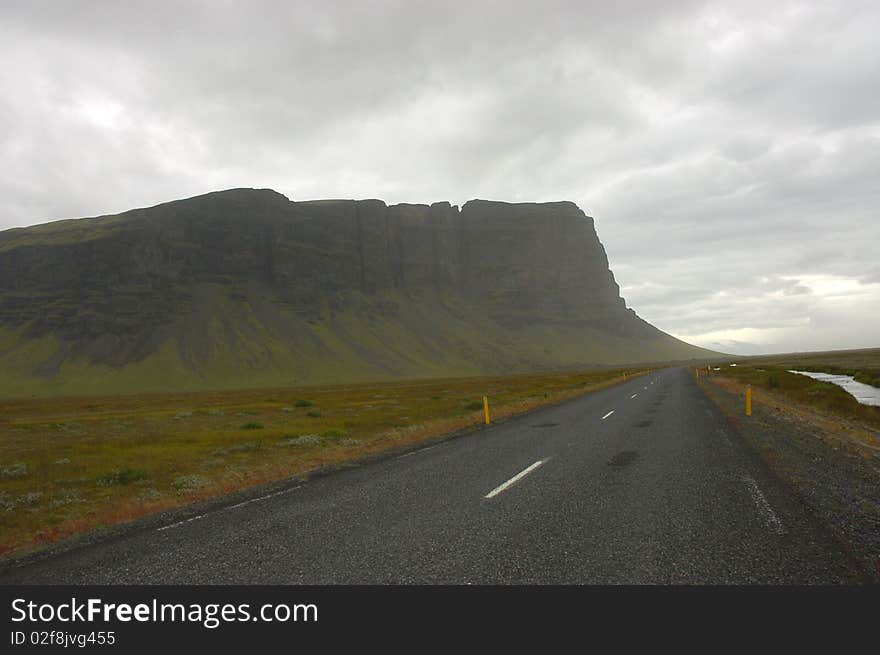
245	288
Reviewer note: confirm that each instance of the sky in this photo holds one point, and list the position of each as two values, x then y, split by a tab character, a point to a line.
728	151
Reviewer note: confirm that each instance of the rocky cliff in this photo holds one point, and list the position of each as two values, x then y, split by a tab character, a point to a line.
247	287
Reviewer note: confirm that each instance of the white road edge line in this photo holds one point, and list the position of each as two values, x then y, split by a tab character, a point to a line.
608	414
174	525
266	497
763	506
723	435
516	478
633	396
242	504
416	452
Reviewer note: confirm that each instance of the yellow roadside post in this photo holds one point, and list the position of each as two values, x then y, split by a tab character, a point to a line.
486	409
749	400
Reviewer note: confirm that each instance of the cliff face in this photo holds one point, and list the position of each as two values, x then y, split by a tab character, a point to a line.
113	290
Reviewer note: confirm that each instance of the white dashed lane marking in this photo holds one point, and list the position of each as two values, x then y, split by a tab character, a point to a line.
516	478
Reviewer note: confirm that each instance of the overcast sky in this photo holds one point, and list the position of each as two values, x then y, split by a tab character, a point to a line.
729	151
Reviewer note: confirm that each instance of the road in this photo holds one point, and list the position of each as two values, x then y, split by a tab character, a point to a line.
639	483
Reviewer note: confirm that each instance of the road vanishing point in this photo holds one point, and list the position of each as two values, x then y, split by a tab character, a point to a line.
641	483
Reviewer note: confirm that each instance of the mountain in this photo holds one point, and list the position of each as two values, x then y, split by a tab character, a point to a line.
244	288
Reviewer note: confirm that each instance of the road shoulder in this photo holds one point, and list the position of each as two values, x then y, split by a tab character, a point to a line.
834	476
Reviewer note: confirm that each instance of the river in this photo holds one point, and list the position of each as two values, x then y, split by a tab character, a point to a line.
864	393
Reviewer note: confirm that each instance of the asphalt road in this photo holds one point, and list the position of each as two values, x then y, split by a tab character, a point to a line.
639	483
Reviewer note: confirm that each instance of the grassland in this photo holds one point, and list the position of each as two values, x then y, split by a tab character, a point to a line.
773	384
863	364
70	465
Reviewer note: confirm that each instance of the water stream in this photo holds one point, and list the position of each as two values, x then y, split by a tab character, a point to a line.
864	393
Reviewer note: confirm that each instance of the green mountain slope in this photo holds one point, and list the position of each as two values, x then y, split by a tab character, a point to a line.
245	288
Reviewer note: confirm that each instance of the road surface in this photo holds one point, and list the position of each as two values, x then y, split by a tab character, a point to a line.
639	483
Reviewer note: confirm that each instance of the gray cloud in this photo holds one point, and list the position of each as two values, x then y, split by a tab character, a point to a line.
728	150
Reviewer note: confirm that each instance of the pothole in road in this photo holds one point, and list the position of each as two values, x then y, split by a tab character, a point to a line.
623	458
545	425
644	424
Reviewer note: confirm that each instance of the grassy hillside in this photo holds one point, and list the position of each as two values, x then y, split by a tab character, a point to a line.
245	288
241	338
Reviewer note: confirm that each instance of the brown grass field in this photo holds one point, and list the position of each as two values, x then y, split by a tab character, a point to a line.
863	364
71	465
773	384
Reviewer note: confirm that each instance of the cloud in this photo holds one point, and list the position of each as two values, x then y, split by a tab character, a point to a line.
729	151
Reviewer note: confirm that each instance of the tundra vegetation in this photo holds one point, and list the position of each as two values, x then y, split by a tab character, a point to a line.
773	384
862	364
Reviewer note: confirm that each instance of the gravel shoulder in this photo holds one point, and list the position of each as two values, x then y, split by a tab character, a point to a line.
832	465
